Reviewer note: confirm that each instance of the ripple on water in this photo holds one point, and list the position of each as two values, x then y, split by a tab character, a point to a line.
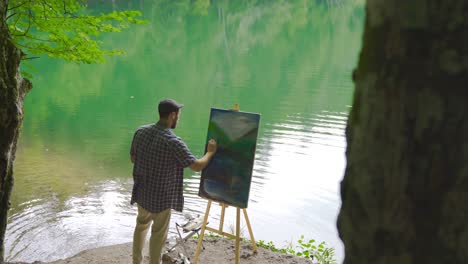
57	226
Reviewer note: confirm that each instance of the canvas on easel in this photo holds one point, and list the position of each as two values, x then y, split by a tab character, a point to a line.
228	176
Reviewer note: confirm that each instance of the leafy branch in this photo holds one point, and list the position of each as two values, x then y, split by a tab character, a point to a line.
65	29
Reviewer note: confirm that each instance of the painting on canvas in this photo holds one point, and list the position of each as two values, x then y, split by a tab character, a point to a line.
228	176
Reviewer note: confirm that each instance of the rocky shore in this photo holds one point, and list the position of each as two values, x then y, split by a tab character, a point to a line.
217	251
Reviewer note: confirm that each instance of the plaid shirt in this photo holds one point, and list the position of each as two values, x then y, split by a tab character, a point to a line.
159	161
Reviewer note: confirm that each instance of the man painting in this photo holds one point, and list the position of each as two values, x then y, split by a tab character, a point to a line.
159	159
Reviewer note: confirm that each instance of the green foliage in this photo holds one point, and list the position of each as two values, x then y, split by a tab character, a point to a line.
307	248
270	246
64	29
321	253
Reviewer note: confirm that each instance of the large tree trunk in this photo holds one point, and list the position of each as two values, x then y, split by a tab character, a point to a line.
12	91
405	189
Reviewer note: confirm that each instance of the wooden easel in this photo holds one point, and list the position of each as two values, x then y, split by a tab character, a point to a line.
221	232
221	223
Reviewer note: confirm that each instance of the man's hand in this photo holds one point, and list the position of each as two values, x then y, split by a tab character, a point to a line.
212	146
200	164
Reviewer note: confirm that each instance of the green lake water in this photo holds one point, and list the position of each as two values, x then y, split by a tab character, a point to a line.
290	61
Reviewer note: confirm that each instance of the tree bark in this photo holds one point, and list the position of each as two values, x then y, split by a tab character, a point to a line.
405	189
13	88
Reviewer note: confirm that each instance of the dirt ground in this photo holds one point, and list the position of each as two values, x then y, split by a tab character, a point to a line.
217	251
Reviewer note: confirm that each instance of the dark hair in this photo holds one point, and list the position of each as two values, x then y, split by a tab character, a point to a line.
164	115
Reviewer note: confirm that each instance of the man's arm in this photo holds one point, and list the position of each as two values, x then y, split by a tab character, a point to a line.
201	163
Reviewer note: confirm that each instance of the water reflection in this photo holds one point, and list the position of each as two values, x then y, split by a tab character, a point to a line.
295	179
300	174
289	61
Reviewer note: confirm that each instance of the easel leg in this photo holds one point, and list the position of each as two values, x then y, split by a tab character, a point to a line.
254	244
238	236
202	233
221	221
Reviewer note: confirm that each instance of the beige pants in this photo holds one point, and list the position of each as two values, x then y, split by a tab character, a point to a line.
158	234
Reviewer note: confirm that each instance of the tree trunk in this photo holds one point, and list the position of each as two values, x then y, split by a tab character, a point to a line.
13	88
405	189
